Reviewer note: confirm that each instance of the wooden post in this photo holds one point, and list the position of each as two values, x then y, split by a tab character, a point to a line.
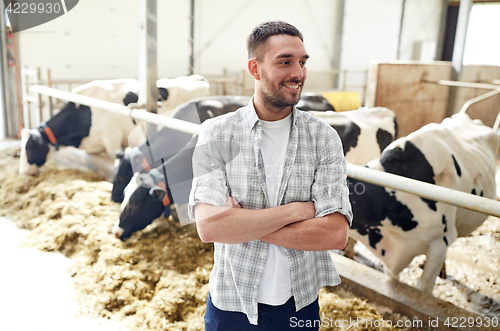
224	86
40	101
4	87
243	85
49	84
365	84
26	104
344	83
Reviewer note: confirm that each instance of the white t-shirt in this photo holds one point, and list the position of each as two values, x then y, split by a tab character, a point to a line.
275	286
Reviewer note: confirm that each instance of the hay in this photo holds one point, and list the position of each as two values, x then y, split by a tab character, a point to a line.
157	280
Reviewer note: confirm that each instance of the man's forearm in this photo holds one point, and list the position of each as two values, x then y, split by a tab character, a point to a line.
317	234
236	225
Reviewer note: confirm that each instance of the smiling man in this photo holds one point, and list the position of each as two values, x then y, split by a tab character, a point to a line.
274	209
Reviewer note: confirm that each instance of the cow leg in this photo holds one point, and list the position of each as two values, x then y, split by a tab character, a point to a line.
434	261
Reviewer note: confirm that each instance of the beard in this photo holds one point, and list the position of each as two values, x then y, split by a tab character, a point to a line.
278	98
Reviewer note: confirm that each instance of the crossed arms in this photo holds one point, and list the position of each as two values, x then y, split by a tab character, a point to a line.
292	225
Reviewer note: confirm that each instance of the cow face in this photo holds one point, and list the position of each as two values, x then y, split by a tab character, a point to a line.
144	202
36	149
26	168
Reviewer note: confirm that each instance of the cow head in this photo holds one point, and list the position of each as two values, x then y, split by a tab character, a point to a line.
146	198
122	174
127	162
34	152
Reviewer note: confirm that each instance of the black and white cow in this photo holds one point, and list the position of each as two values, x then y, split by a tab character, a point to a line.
396	226
167	142
153	193
134	218
364	132
148	195
98	130
313	101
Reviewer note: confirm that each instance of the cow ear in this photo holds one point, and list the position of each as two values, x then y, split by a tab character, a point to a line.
162	94
157	193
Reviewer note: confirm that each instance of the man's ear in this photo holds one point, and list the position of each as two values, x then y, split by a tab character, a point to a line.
253	67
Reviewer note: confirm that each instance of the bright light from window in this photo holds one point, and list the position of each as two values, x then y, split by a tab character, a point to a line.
482	45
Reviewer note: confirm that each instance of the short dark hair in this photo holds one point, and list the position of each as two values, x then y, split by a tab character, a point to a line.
259	35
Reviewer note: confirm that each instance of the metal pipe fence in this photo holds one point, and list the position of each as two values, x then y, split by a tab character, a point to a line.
426	190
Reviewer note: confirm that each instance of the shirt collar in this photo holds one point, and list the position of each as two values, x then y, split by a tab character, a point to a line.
250	115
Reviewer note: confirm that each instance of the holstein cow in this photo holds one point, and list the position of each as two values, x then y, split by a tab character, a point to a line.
149	194
396	226
364	132
314	101
167	142
97	130
134	218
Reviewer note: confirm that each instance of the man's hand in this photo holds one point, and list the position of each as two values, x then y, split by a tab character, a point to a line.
315	234
231	224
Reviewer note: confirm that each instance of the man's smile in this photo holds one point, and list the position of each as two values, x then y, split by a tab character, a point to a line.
294	87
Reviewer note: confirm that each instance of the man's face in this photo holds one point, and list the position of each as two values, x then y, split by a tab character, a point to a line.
282	70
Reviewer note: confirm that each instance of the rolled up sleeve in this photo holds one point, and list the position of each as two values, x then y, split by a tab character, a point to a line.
330	193
210	180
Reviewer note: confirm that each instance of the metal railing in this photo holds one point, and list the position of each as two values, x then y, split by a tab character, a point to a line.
426	190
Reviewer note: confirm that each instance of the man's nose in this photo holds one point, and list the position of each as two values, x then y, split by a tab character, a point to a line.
298	71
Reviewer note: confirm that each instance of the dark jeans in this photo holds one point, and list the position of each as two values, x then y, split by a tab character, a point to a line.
271	318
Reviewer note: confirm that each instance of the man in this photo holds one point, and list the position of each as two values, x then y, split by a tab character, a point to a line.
270	191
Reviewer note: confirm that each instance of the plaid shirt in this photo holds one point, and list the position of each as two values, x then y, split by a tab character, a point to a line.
227	162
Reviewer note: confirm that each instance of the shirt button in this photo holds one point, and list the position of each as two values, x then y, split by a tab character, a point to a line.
255	286
262	256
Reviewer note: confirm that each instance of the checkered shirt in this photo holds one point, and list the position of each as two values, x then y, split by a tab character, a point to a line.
227	162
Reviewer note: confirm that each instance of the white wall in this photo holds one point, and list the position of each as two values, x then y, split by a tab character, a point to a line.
371	31
99	39
225	24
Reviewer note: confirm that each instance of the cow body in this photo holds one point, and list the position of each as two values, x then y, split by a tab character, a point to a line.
104	131
313	101
396	226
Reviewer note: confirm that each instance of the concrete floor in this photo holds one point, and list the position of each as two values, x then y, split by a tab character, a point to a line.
36	289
